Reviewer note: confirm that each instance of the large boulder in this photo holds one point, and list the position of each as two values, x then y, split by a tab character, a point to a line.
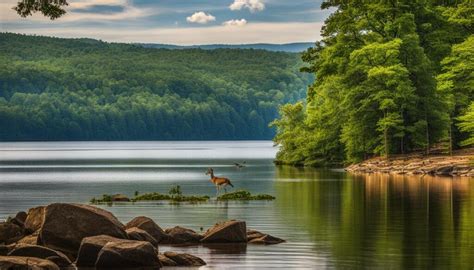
90	248
140	235
65	225
10	232
232	231
41	252
26	263
128	254
180	235
184	259
148	225
34	219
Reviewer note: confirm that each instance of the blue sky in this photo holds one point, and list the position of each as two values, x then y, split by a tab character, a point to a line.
178	21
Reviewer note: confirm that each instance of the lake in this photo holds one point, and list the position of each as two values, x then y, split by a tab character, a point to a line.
329	218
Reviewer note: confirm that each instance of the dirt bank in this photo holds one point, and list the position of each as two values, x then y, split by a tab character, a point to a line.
461	163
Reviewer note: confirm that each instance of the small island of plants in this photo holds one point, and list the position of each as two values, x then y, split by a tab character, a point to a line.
175	195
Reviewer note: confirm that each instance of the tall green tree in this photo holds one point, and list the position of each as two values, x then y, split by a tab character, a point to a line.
375	91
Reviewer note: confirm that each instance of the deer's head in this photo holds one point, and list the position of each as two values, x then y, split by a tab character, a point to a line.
210	171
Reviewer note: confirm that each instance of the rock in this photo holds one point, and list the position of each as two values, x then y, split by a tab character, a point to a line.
267	240
30	239
180	235
148	225
4	250
10	232
253	234
34	220
184	259
26	263
445	170
165	261
127	253
19	219
90	248
120	198
41	252
141	235
65	225
231	231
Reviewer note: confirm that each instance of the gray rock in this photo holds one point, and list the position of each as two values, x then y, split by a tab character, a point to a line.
231	231
127	253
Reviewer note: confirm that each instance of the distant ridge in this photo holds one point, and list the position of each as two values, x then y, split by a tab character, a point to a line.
290	47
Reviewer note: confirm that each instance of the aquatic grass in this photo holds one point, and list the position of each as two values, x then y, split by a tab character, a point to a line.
244	195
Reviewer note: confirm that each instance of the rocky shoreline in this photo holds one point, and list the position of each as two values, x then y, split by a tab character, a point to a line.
72	236
458	164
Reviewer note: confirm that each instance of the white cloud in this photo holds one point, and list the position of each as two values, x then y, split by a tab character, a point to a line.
200	17
252	5
240	22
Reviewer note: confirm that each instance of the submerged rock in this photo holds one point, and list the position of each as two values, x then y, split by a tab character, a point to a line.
267	240
126	253
165	261
120	198
231	231
41	252
180	235
184	259
26	263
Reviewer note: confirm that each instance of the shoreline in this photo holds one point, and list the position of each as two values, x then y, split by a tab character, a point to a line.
460	163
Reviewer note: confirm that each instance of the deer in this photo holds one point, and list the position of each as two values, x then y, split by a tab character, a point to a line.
219	181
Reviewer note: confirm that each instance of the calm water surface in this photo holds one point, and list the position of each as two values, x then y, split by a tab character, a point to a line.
329	218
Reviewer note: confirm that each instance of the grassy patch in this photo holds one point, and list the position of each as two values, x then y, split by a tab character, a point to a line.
243	195
174	195
106	198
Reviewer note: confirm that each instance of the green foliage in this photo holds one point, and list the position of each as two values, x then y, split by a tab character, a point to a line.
376	90
456	87
49	8
106	198
175	191
466	124
82	89
243	195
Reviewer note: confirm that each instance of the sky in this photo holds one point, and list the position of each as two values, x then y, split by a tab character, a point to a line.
181	22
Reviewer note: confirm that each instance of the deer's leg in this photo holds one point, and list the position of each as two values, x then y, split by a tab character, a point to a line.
225	190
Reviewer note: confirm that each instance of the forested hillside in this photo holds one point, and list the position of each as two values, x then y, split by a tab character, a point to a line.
391	77
82	89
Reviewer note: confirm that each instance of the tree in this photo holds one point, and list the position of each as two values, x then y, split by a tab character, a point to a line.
49	8
375	90
456	86
466	124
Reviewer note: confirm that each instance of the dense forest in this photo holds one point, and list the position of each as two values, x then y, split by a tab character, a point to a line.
391	77
83	89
